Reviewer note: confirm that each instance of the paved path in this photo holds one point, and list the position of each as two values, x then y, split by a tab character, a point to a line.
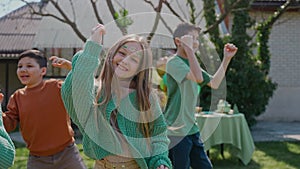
262	131
276	131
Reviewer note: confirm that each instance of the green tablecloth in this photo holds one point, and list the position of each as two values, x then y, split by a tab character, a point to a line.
233	130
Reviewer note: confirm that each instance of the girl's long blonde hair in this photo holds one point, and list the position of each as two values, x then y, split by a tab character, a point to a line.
141	81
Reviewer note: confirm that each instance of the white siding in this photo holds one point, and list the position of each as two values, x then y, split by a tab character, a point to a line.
285	69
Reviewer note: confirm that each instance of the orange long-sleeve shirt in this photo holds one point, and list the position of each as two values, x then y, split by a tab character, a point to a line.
44	122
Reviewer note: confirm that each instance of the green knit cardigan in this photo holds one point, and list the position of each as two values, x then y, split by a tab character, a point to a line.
99	138
7	148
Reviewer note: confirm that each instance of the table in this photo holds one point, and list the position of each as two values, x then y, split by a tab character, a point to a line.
232	130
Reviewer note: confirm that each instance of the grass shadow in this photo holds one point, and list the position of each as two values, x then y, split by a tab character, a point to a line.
277	155
286	154
267	155
229	161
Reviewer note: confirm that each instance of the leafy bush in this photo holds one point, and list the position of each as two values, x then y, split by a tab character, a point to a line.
247	80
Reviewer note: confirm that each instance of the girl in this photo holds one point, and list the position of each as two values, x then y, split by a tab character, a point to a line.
121	121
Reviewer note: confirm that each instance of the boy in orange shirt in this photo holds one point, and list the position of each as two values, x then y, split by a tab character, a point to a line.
44	122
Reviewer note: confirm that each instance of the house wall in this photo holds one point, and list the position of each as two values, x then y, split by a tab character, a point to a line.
285	70
12	80
66	53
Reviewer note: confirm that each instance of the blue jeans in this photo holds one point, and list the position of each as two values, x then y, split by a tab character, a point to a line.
188	152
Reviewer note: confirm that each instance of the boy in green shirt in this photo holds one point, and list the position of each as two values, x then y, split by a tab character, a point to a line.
184	75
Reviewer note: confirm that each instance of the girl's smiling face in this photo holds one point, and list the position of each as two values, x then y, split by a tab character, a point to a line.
127	60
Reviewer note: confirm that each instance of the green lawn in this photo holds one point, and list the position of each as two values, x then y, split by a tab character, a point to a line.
268	155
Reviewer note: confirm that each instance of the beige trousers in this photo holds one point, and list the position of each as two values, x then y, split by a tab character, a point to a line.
115	162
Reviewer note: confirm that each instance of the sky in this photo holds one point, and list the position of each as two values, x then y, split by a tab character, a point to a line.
7	6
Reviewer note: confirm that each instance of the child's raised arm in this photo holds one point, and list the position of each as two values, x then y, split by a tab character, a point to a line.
1	97
78	87
97	33
61	62
195	72
229	51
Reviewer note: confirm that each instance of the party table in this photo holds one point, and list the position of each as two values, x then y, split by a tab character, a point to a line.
232	130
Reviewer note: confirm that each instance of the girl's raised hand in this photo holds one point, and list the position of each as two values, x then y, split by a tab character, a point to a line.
162	167
230	50
1	97
187	41
61	62
97	33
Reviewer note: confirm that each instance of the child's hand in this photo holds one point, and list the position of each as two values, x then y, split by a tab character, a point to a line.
97	33
187	41
162	62
61	62
229	50
162	167
1	97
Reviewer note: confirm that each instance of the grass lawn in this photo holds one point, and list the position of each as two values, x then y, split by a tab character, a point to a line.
268	155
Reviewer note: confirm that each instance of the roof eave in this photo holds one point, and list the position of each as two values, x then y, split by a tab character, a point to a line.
273	6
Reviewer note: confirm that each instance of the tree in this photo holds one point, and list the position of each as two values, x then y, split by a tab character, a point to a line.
249	85
122	21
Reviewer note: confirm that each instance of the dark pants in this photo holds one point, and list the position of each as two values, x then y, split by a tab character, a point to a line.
69	158
188	152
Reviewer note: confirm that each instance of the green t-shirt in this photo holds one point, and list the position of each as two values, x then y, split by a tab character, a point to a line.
182	97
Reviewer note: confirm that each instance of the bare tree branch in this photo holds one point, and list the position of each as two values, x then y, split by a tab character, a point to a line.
156	21
159	6
93	2
222	17
150	2
157	18
166	25
180	8
269	23
173	11
40	13
154	28
279	12
64	18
